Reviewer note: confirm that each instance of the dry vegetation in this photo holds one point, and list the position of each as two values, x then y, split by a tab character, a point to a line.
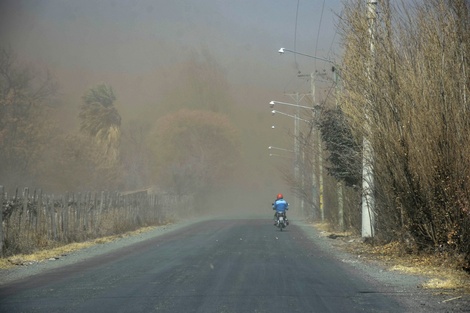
443	271
34	221
405	89
60	251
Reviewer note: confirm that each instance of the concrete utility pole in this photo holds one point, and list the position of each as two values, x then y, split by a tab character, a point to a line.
368	199
1	221
313	77
320	156
297	99
296	153
315	189
339	185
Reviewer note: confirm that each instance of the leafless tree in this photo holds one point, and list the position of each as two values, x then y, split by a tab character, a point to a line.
26	98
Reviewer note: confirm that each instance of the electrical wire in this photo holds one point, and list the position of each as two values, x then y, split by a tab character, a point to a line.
330	50
295	35
295	47
318	33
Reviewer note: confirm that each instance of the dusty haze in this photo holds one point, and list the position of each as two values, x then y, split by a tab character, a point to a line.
140	48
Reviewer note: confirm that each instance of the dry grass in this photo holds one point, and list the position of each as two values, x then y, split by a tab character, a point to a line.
444	272
55	253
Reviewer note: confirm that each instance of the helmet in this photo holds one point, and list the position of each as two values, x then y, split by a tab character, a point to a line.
279	196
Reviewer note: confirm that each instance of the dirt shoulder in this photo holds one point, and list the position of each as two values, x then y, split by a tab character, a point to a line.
23	266
433	278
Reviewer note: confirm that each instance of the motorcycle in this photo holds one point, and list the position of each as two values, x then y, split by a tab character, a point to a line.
281	220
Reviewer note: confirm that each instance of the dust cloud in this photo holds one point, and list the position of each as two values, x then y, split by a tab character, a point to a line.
160	56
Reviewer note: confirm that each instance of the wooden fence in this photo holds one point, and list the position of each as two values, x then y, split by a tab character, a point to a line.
31	219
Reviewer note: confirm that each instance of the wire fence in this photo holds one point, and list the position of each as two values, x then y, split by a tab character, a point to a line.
30	219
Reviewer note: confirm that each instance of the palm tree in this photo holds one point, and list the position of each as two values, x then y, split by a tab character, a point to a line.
100	119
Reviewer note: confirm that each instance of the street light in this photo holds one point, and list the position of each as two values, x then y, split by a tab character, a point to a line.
296	136
290	115
272	103
297	152
320	159
334	65
282	149
368	199
282	50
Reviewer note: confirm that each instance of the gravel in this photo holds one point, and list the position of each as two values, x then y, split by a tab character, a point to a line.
406	287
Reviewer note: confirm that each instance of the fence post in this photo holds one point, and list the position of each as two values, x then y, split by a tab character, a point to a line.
35	208
85	213
53	218
1	221
100	215
95	212
26	213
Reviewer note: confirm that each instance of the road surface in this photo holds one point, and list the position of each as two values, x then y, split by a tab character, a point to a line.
234	265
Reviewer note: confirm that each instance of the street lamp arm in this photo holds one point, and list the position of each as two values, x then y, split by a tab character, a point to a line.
282	149
282	50
272	103
290	115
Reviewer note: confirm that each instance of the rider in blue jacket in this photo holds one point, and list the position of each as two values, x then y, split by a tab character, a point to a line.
280	206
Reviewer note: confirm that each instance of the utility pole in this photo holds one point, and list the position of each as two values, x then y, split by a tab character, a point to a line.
339	184
1	221
296	153
297	99
320	187
320	156
368	199
321	206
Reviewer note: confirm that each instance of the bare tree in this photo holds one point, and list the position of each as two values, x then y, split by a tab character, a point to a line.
26	97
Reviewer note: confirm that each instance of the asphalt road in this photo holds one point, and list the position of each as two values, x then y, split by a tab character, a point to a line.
220	266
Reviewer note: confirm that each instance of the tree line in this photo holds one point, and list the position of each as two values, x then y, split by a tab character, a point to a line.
110	151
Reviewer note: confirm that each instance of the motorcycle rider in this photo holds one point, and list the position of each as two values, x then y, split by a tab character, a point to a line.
280	206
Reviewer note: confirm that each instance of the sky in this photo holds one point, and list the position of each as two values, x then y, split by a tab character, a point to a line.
137	37
136	46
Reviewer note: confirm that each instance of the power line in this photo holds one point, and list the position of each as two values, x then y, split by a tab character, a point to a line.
295	47
295	35
334	36
318	33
